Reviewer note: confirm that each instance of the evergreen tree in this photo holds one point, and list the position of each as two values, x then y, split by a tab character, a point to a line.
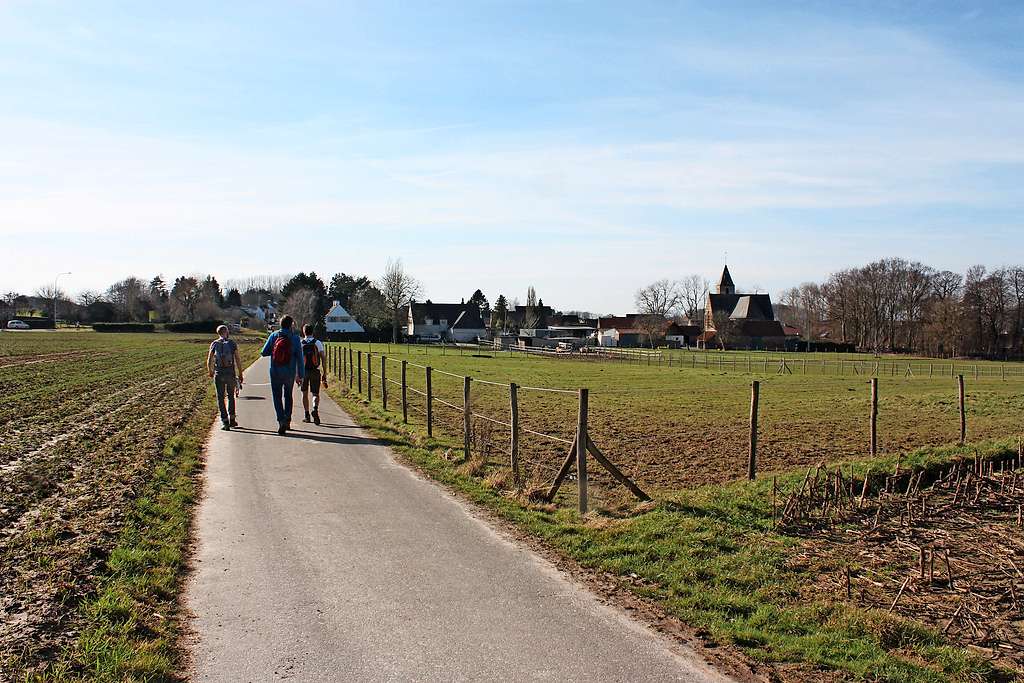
233	299
343	287
481	302
499	318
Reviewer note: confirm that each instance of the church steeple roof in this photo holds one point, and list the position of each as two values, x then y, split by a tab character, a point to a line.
726	285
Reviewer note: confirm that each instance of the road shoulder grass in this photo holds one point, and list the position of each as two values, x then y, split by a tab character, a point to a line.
132	624
713	558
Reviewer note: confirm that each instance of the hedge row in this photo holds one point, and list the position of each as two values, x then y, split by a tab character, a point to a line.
197	326
123	327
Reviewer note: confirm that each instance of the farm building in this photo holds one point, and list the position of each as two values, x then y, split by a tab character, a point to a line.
339	321
532	317
740	321
576	335
682	335
620	331
445	322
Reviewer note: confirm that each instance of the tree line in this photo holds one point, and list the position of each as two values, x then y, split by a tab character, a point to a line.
376	304
898	305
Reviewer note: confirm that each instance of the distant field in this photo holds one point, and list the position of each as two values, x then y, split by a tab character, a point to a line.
86	418
687	425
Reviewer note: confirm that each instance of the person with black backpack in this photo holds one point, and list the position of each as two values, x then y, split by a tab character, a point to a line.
286	368
314	358
222	362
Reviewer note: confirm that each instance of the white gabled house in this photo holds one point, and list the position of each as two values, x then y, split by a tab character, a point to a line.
339	321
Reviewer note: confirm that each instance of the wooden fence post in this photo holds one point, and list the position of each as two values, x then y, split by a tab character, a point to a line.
581	450
359	371
405	394
513	396
467	416
874	415
430	404
960	401
384	380
351	367
752	458
369	376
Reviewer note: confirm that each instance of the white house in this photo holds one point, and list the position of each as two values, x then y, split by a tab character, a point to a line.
339	321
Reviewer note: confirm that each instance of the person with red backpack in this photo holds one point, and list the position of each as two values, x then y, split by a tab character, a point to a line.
314	358
286	368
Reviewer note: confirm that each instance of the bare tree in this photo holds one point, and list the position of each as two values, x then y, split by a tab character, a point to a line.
54	296
661	298
129	298
399	289
532	316
302	306
725	329
657	302
693	292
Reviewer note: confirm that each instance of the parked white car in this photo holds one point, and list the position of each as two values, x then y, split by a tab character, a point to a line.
17	325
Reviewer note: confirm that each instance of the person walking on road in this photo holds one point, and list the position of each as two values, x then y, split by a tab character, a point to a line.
286	368
314	358
222	362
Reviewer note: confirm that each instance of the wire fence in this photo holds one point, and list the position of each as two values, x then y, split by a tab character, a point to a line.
751	363
521	437
514	447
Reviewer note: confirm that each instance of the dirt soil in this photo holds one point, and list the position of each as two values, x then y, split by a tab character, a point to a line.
81	432
949	554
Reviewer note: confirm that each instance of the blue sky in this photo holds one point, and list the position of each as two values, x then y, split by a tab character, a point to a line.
584	148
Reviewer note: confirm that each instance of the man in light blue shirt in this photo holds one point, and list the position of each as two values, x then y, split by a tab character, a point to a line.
286	369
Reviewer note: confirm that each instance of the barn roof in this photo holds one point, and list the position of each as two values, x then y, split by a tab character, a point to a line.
470	314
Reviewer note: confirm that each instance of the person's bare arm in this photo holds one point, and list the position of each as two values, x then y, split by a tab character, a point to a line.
323	364
238	364
209	361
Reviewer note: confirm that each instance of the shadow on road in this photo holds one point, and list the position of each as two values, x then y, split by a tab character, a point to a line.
314	436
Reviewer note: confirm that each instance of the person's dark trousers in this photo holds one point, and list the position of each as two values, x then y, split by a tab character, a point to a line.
225	383
281	387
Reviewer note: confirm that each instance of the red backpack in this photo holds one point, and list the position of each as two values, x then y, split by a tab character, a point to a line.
281	351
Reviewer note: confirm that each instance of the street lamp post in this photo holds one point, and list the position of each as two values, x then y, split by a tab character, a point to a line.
55	297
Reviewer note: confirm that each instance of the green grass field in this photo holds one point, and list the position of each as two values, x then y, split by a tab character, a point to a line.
708	549
100	445
682	426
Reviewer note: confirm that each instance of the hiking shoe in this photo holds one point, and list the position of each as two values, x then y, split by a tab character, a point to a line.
233	422
281	428
316	417
226	426
306	419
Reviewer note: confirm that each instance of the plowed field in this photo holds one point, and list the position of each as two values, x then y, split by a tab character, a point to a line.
84	416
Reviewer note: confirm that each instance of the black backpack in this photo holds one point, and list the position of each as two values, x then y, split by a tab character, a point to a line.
310	354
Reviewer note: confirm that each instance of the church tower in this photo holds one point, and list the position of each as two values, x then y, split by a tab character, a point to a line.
725	284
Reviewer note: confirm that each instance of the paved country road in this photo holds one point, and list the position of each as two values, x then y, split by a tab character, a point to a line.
320	558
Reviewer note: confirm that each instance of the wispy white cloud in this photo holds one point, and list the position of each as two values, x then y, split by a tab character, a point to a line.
828	120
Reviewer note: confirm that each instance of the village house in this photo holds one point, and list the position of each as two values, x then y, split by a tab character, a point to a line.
445	322
341	324
740	321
